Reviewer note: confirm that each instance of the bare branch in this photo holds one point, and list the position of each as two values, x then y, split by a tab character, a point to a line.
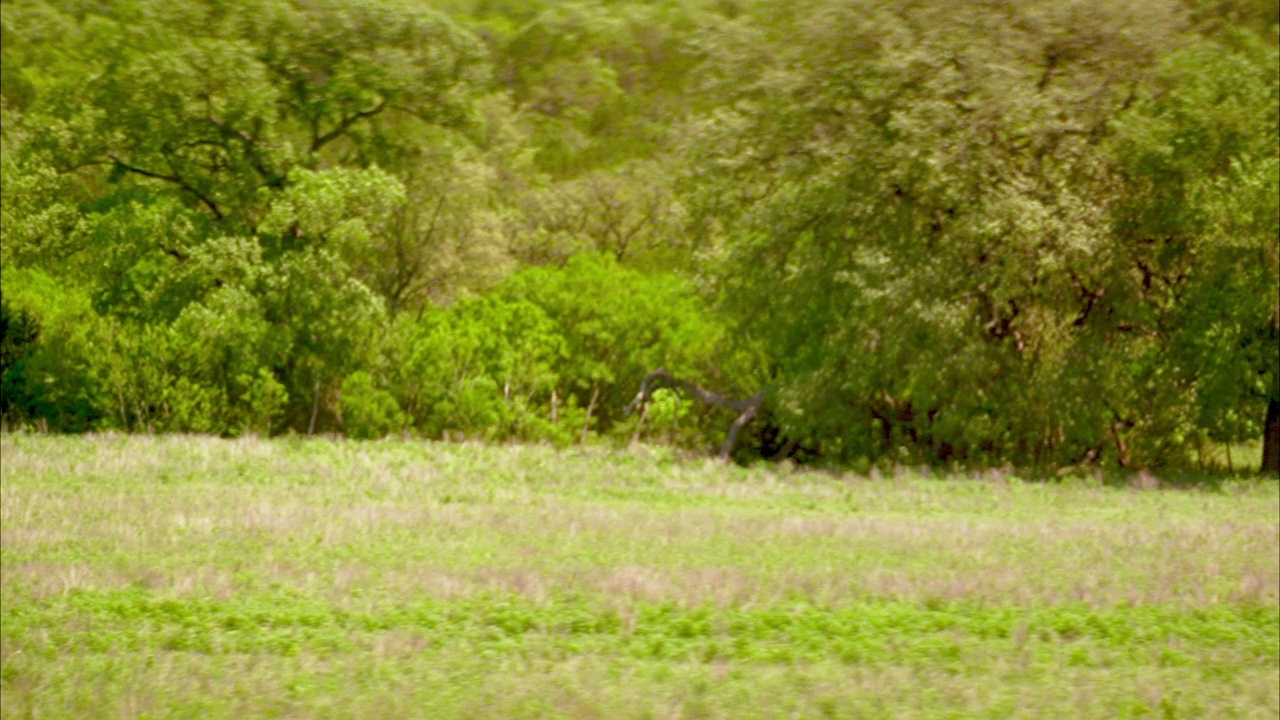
170	178
731	440
747	409
250	144
346	123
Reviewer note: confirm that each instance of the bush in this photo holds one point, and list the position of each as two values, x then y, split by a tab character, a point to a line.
262	403
367	410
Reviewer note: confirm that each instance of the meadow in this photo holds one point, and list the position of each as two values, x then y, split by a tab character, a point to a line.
181	576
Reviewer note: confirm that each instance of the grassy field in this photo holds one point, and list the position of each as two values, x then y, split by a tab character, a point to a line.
203	578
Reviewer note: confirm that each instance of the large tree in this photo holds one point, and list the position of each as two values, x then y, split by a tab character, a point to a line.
932	221
219	177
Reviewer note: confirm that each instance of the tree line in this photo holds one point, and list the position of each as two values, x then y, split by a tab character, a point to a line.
1014	231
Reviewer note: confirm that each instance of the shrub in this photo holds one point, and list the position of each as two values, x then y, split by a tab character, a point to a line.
367	410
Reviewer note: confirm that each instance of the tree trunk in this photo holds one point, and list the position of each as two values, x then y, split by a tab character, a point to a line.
1271	439
591	406
315	410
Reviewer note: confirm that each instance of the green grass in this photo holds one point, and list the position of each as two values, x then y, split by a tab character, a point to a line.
193	577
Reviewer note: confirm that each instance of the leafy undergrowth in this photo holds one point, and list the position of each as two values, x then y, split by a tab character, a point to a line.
193	577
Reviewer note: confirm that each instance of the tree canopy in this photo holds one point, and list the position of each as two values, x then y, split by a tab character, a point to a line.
1017	232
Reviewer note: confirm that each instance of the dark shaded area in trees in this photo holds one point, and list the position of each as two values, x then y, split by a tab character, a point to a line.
18	335
1271	439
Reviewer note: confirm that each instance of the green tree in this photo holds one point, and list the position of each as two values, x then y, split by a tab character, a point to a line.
213	177
1199	230
618	324
485	367
921	231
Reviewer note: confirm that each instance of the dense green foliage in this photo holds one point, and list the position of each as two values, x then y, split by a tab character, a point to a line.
1012	232
193	576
